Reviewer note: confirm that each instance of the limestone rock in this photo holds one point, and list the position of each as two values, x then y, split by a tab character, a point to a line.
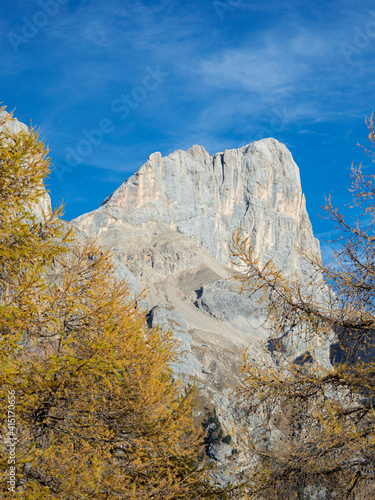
167	318
15	127
170	224
207	197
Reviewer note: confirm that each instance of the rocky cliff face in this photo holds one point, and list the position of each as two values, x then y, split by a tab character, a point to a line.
170	224
207	197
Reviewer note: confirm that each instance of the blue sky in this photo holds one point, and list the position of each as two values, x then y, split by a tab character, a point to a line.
110	82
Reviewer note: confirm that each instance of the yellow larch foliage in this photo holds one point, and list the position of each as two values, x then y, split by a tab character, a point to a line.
325	447
89	407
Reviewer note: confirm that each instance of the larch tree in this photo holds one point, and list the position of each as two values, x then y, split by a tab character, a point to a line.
89	407
324	413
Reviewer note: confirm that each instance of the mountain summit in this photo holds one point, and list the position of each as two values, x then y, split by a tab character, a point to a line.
170	225
206	198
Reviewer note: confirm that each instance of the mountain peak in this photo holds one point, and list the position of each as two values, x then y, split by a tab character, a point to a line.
206	198
197	151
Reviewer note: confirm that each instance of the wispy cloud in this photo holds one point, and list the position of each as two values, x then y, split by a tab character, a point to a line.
272	68
303	65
